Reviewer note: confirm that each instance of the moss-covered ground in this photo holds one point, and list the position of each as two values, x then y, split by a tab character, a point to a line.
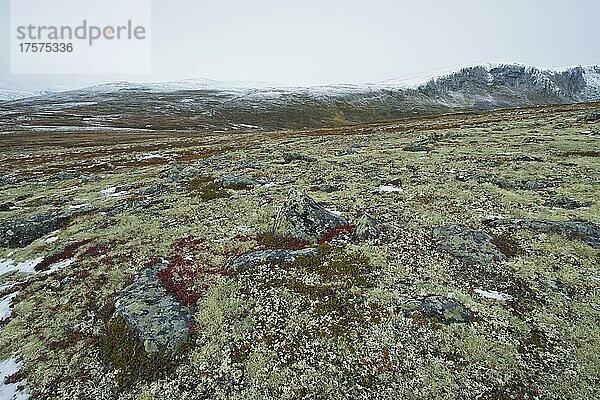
324	326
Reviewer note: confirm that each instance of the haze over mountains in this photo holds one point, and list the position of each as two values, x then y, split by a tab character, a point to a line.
208	105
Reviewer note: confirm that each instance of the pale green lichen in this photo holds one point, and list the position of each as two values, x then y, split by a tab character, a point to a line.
249	326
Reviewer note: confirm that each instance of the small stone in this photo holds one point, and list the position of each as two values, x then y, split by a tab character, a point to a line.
366	228
23	231
173	174
345	152
445	310
66	175
328	188
506	183
527	158
591	117
153	190
418	146
236	182
302	217
6	206
520	184
5	181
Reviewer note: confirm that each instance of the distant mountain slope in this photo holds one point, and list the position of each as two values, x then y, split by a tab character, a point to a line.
11	94
10	91
514	85
209	105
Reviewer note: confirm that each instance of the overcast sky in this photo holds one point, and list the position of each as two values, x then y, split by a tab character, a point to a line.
312	42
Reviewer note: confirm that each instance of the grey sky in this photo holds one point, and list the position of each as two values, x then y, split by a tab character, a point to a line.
313	42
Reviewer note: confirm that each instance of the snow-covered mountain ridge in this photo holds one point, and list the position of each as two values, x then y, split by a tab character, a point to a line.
200	105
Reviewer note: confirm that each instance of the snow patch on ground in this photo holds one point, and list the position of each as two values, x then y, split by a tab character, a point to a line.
390	189
112	192
60	265
5	303
244	126
492	294
334	212
8	265
153	157
28	267
78	206
10	391
52	237
8	285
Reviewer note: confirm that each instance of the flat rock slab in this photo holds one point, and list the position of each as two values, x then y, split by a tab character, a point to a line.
468	245
237	182
583	230
521	184
160	321
566	203
267	257
290	157
417	146
509	184
444	309
302	217
23	231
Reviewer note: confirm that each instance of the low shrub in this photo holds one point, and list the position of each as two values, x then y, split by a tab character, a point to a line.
206	188
122	350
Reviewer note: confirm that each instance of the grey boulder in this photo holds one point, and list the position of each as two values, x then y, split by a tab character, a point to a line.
23	231
266	257
467	245
160	321
302	217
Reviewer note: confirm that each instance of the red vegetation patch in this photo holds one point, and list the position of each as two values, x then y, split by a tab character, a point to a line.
381	363
106	311
335	232
68	252
183	270
193	329
271	240
96	250
179	280
189	244
243	238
